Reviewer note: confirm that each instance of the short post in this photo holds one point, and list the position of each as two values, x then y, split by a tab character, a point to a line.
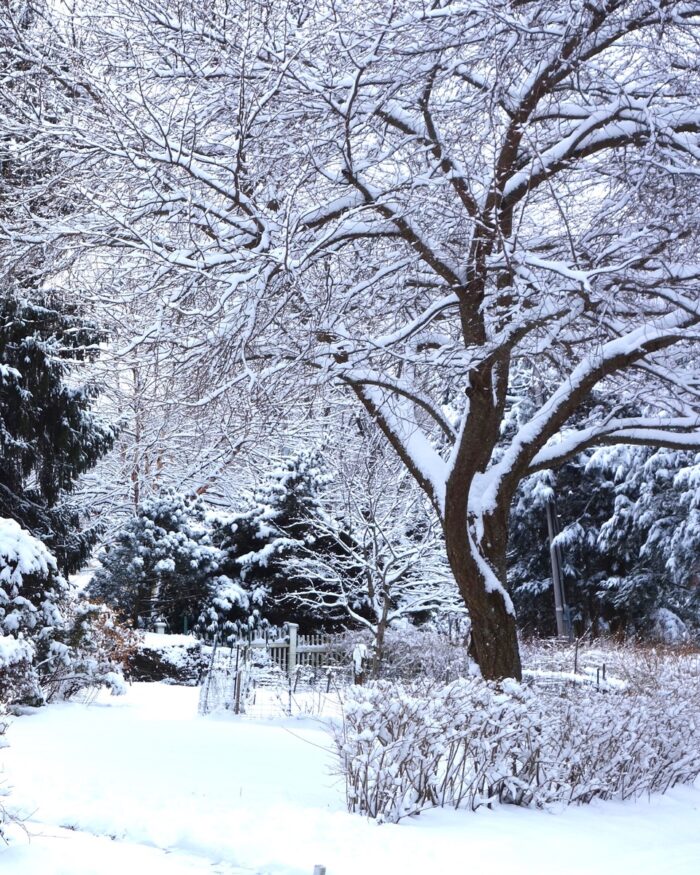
560	607
292	651
237	693
360	657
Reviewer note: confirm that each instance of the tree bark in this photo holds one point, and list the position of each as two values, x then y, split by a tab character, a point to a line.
494	638
494	642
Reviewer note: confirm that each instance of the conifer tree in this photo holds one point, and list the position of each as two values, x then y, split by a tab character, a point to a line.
162	565
630	540
48	434
259	543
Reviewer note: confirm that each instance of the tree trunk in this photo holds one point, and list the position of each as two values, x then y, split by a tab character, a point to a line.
494	644
379	636
494	639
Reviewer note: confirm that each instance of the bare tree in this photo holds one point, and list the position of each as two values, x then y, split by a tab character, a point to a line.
386	563
421	203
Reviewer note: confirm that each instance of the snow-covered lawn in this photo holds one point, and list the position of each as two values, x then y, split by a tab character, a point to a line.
142	784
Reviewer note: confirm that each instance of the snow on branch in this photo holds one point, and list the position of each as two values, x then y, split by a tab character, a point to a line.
396	418
610	357
678	433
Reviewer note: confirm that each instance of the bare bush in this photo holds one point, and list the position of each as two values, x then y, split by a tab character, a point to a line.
404	748
92	653
410	652
636	663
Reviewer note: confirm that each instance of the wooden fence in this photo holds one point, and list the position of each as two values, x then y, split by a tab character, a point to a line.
248	661
290	650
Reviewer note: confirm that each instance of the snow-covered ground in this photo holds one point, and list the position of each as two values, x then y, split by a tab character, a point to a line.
142	784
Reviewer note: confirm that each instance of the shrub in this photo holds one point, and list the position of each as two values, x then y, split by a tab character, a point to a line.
53	642
175	659
410	652
406	747
3	727
92	651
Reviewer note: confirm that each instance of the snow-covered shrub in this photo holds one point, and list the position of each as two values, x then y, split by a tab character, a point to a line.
404	748
423	651
410	652
667	627
52	642
227	599
92	651
16	656
31	592
175	659
3	791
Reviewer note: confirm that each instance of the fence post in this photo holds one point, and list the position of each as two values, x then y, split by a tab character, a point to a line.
292	652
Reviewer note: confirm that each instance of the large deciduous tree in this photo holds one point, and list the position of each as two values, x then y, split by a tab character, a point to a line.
455	210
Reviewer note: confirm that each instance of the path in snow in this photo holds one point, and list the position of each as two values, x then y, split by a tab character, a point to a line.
141	784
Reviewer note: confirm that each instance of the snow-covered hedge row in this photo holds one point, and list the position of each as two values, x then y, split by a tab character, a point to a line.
408	652
406	748
176	659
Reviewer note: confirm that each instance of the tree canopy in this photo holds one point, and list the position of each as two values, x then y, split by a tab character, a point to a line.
455	211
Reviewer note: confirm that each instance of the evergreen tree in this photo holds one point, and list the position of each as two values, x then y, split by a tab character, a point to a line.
48	435
630	540
656	522
584	500
48	438
162	564
259	544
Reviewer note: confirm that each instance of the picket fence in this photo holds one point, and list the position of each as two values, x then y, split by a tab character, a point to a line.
279	658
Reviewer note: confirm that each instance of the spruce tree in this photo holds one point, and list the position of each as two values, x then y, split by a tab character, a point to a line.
48	434
630	539
259	543
162	564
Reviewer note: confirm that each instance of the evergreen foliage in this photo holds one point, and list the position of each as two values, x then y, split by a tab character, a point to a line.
630	538
50	638
48	435
162	564
260	543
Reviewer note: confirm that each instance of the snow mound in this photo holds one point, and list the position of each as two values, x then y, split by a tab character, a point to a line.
21	553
